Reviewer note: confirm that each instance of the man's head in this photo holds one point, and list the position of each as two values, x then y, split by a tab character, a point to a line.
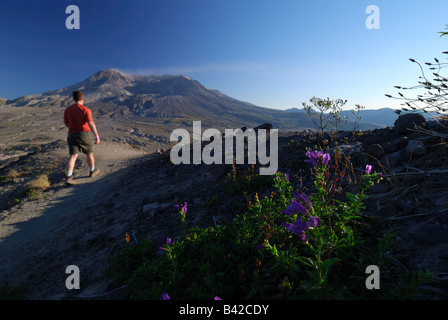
78	96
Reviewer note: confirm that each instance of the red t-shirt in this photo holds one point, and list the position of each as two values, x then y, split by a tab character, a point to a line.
77	118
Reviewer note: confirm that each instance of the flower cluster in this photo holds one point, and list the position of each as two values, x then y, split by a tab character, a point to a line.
182	209
168	242
302	205
280	175
165	296
316	158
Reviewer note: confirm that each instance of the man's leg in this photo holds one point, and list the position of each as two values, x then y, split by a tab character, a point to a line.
91	163
70	166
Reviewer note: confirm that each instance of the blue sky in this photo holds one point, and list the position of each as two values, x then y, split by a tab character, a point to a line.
275	54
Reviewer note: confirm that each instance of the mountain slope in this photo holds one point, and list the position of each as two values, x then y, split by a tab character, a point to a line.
382	117
115	95
168	98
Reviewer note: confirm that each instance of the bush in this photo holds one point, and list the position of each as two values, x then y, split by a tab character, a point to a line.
35	188
288	245
40	183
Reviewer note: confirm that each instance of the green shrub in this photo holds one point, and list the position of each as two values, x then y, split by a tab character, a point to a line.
8	292
122	265
286	246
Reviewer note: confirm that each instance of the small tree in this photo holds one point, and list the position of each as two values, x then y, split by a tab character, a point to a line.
435	99
326	115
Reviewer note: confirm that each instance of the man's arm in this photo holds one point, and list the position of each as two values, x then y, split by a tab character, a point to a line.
95	132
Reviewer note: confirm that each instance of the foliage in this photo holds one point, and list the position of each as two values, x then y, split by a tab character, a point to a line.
286	246
434	100
326	115
8	292
248	183
444	33
36	186
130	258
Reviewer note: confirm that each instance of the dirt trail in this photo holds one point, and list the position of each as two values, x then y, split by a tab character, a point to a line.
39	239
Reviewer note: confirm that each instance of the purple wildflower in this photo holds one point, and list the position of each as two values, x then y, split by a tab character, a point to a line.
312	222
279	174
295	207
260	247
315	158
368	169
325	158
168	242
182	208
300	204
299	227
217	298
302	198
165	296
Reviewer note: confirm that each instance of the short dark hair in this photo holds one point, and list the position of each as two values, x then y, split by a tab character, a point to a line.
78	95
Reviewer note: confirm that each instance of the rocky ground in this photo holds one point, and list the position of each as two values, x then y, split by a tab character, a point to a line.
136	193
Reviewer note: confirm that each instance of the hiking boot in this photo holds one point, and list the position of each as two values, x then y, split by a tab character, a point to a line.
94	173
69	181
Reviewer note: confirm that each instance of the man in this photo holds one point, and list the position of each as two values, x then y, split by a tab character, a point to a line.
79	121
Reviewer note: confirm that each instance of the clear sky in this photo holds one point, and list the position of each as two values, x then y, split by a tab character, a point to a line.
273	53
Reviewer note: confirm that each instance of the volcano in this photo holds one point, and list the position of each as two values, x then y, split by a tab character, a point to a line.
116	95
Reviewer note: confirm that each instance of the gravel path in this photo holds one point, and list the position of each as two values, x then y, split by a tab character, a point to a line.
39	239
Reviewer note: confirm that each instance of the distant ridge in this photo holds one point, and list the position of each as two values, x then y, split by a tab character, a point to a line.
383	117
116	95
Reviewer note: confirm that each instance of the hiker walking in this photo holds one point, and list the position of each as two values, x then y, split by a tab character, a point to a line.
79	121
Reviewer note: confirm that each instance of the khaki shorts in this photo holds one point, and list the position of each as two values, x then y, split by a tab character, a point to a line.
80	142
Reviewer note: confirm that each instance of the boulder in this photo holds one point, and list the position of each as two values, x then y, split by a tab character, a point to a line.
416	147
389	147
430	232
391	160
409	121
266	126
376	151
